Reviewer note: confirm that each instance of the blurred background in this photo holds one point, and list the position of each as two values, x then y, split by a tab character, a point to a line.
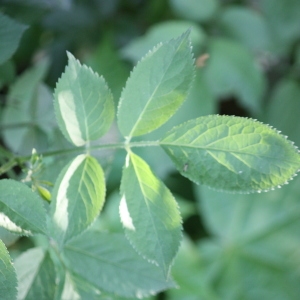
247	55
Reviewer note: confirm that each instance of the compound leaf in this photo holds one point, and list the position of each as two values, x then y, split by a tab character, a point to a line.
10	35
149	214
8	278
232	153
113	266
21	210
78	197
83	103
156	88
36	275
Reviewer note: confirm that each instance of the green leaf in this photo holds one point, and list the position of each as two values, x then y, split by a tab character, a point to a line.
83	103
196	10
106	60
246	26
21	210
231	70
149	214
28	115
157	87
7	73
254	251
78	197
232	153
283	109
107	262
163	32
189	275
36	275
284	23
8	278
10	34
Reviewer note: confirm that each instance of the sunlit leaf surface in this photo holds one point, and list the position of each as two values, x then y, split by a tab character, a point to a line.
232	153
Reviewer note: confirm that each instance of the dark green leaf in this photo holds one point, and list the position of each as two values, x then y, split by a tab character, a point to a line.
10	35
231	70
254	254
196	10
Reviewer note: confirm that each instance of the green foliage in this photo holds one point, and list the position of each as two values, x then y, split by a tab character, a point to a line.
8	279
92	208
10	35
234	154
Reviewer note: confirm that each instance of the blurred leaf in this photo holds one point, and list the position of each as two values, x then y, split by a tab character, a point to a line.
78	197
113	266
106	61
283	109
83	104
231	70
28	114
246	26
195	10
157	87
109	220
255	254
150	214
189	275
10	34
7	73
232	153
163	32
36	275
22	211
8	279
283	19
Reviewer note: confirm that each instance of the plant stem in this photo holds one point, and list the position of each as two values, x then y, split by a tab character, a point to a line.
19	160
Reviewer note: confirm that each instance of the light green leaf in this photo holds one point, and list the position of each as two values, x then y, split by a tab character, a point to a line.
157	87
83	103
246	26
107	262
149	214
196	10
283	109
232	153
10	35
255	245
78	197
21	210
231	70
28	115
36	275
163	32
8	278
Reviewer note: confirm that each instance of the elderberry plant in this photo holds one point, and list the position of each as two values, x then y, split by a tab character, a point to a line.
234	154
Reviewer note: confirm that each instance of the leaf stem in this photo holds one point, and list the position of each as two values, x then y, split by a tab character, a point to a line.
19	160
